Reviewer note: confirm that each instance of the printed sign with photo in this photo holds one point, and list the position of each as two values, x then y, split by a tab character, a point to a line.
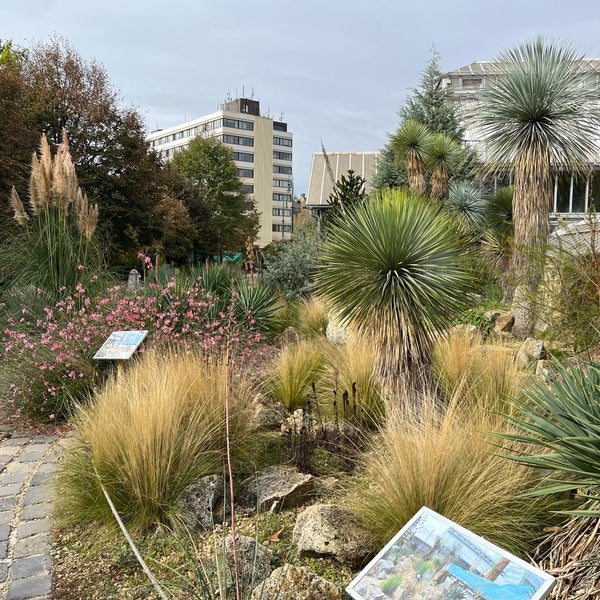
120	345
432	557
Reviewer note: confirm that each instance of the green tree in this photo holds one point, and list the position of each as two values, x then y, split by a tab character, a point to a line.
540	114
390	173
394	271
348	192
209	166
429	102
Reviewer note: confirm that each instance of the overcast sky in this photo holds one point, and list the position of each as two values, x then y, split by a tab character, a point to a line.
337	70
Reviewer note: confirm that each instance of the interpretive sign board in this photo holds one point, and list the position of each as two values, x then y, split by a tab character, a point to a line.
432	557
120	345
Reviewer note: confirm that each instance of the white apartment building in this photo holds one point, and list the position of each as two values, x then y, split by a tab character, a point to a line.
262	152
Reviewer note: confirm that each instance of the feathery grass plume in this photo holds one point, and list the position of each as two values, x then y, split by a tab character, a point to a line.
64	179
483	374
87	216
311	317
40	186
296	368
442	458
153	430
21	216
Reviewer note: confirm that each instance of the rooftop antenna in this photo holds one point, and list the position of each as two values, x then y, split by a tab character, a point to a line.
243	91
252	93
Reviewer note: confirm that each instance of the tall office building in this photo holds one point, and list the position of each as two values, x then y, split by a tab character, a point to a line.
262	152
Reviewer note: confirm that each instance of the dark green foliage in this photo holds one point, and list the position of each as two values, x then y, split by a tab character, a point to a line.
389	174
209	167
289	266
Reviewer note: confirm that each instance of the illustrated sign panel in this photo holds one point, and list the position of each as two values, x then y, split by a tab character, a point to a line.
120	345
433	557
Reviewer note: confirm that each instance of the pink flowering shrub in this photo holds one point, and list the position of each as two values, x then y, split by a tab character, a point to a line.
47	367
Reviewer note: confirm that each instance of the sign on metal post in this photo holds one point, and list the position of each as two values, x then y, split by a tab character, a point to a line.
120	345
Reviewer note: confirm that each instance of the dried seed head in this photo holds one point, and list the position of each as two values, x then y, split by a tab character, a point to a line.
20	215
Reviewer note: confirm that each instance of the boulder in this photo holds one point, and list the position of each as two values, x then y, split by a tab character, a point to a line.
266	416
296	583
504	323
275	488
331	530
203	503
530	351
253	559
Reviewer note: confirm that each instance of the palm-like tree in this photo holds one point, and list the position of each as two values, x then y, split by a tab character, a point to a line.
411	144
540	113
442	158
393	271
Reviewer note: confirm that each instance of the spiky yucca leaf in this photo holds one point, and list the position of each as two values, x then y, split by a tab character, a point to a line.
394	272
411	144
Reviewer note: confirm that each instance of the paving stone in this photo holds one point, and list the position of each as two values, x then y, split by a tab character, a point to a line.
6	516
3	571
40	478
8	451
30	566
18	477
19	467
36	511
10	489
51	458
16	440
36	446
8	502
32	587
31	457
4	532
39	493
29	528
3	549
47	468
31	546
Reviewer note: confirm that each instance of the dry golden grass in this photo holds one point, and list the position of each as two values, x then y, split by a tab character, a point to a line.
485	374
153	430
443	458
295	369
354	364
311	318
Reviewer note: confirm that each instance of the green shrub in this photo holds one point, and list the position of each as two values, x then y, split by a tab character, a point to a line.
391	584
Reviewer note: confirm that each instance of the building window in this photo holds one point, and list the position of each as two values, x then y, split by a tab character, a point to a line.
238	124
285	169
248	188
279	126
281	197
284	183
278	227
238	140
282	212
243	157
245	173
277	155
279	141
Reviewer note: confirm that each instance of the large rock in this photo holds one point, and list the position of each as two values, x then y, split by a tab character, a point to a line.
203	502
504	323
253	559
530	351
275	488
266	416
296	583
330	530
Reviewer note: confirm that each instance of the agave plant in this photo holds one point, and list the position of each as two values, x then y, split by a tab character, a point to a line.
561	422
394	272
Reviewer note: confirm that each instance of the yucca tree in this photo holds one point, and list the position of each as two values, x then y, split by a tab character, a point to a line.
442	158
394	271
541	113
411	144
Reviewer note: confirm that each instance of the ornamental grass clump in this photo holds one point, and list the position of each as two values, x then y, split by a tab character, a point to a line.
294	371
155	428
60	223
482	374
442	458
